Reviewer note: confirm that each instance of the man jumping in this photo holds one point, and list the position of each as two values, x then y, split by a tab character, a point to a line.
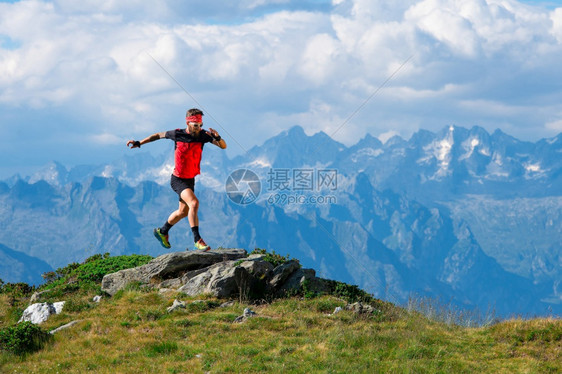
188	148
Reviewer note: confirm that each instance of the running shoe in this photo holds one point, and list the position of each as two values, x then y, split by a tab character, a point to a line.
163	239
200	245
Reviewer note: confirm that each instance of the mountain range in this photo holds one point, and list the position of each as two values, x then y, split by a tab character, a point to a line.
462	215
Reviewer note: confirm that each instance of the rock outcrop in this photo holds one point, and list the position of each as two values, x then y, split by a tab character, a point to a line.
176	305
248	313
223	273
168	267
40	312
64	327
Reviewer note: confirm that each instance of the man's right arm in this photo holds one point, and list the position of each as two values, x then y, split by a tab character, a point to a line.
148	139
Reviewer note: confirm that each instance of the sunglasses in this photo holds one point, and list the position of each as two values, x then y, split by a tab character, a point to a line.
195	124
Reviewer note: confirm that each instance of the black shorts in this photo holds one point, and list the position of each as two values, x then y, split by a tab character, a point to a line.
179	184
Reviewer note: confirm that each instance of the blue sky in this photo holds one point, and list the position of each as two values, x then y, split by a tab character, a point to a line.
78	79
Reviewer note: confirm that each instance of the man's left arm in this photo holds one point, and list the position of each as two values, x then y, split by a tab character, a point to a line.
217	140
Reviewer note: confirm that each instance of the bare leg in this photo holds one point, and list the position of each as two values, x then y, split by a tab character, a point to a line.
192	202
179	214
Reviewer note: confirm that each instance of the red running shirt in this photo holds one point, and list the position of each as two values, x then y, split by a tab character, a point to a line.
188	149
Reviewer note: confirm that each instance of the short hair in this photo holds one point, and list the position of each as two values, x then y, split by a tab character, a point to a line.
193	112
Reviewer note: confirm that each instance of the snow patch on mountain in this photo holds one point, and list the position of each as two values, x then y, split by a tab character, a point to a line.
533	168
54	173
261	163
107	171
364	153
485	151
469	145
552	140
495	170
441	151
160	174
534	171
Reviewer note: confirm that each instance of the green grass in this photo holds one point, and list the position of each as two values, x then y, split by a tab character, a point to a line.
133	333
274	258
88	275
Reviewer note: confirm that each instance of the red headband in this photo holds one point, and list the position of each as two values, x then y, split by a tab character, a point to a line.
196	118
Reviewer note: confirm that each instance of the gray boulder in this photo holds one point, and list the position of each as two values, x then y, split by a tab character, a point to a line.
220	280
36	297
282	272
176	305
40	312
248	313
337	310
220	273
168	266
257	266
361	308
64	327
298	279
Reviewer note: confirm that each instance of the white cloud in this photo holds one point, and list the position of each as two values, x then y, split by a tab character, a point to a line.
387	135
106	138
554	125
252	4
319	59
493	108
483	62
446	25
556	18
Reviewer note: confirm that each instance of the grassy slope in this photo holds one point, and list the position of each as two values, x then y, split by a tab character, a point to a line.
132	333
